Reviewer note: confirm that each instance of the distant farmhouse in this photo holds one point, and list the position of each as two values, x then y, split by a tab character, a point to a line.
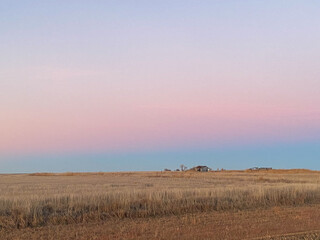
200	169
194	169
260	168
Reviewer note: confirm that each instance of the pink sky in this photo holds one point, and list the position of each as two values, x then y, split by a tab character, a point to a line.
138	79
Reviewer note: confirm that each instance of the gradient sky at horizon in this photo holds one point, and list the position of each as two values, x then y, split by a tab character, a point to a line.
144	85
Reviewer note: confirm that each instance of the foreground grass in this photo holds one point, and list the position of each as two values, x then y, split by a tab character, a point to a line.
32	201
279	222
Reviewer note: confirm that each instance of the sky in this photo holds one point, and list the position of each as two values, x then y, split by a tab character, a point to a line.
147	85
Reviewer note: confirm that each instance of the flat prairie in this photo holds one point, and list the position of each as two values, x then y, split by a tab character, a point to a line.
269	204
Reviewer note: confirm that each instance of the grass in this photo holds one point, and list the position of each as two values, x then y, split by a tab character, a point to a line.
52	199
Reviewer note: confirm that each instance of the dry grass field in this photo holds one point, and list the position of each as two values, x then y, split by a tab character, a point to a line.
161	205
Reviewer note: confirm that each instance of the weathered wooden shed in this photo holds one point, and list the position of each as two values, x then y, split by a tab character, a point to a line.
201	169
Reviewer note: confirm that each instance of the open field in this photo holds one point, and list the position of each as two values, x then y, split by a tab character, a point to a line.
161	205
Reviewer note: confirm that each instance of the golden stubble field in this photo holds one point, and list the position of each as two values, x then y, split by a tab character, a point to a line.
160	205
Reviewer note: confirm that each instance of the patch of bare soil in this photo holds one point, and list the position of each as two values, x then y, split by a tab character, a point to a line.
275	223
310	235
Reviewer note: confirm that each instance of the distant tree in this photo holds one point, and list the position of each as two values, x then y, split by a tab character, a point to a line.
183	167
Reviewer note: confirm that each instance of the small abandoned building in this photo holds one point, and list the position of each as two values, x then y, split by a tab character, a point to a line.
260	168
200	169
